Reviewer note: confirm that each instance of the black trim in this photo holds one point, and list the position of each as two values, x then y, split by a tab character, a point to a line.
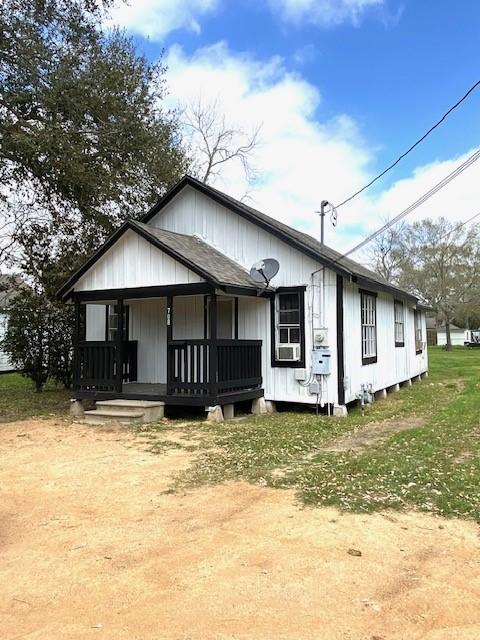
133	293
386	288
367	292
236	319
294	364
184	400
340	343
119	346
205	317
213	351
370	359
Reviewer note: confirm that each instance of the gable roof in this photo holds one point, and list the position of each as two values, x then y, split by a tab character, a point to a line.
301	241
193	253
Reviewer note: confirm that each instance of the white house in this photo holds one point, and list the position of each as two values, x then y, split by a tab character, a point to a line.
7	291
172	299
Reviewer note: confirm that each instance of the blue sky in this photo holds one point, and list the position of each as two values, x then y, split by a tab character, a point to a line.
361	78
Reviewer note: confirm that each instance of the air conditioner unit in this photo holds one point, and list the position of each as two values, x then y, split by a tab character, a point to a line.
288	352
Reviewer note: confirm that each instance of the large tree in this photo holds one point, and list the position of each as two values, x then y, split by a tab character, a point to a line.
438	261
85	141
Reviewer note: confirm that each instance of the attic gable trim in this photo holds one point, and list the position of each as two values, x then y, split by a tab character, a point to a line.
228	204
64	292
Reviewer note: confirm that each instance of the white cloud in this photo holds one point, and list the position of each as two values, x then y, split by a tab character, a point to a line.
324	13
303	158
156	18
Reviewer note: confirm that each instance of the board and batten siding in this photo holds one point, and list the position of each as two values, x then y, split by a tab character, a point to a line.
134	262
148	325
394	364
191	212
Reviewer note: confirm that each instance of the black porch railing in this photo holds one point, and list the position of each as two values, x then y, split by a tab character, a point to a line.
212	368
95	365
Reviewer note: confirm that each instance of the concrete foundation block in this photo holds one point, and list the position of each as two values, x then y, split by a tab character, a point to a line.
424	375
77	410
228	411
271	406
215	414
394	388
340	411
381	394
407	383
259	406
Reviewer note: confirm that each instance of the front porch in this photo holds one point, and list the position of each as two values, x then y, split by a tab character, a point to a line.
150	337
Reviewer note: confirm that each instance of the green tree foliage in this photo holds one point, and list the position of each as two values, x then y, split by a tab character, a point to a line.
85	140
38	338
438	261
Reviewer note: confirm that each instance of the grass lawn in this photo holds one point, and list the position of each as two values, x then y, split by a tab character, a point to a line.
434	467
18	400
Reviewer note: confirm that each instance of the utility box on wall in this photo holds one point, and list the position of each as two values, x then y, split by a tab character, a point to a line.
321	362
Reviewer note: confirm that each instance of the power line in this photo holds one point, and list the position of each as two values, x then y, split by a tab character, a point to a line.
439	122
459	226
423	198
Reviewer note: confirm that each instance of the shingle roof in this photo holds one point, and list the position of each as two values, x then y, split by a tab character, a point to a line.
302	241
221	269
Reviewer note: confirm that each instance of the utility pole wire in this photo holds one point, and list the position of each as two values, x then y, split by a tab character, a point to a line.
438	123
423	198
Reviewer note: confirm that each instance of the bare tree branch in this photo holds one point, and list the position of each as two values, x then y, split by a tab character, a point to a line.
213	142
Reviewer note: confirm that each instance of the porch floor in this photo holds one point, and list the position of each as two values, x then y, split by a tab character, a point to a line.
158	391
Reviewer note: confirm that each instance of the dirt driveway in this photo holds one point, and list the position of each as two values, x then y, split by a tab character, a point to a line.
92	546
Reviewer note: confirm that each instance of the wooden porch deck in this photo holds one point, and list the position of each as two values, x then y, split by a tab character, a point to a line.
159	392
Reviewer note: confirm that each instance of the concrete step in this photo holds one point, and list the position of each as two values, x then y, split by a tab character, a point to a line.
152	409
128	405
97	416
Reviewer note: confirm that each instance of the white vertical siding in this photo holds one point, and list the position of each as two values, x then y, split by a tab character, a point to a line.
134	262
394	364
191	212
246	243
148	327
188	322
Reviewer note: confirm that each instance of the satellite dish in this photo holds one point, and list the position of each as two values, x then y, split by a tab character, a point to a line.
264	270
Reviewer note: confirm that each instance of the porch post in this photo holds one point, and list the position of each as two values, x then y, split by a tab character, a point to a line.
213	354
169	321
119	347
75	341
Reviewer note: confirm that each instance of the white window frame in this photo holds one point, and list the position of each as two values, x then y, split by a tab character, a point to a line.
417	320
297	346
368	322
399	323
